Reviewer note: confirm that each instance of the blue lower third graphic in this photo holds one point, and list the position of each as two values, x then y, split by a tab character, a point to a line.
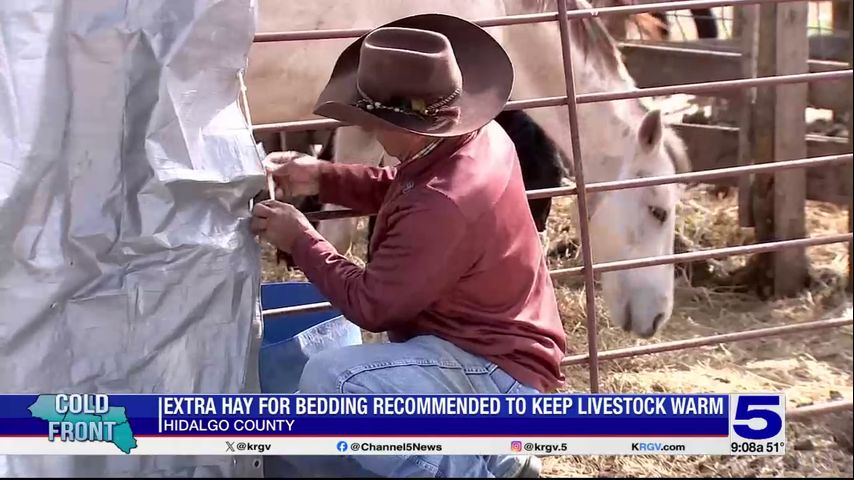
342	446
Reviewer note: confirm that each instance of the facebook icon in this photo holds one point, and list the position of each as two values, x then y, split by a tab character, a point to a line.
342	446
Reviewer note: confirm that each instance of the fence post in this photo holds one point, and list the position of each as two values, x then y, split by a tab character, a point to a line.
779	199
747	17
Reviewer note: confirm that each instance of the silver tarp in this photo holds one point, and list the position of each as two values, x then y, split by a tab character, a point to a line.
126	169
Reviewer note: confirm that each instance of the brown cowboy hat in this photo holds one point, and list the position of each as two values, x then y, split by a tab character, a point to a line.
433	75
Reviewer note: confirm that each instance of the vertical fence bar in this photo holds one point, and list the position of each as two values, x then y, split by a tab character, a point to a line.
586	248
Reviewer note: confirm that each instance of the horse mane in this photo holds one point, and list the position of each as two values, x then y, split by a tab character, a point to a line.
592	33
597	45
648	25
592	36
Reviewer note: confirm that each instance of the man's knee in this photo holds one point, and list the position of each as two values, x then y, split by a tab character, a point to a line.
322	373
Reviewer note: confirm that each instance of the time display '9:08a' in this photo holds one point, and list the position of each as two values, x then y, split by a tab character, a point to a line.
756	447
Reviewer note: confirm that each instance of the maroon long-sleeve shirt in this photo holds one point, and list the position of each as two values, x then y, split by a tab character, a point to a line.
456	255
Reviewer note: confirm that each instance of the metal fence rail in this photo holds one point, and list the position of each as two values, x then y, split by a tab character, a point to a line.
710	340
800	413
304	125
690	177
588	269
706	254
330	34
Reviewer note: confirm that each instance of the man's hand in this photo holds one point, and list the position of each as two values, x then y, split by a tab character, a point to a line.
279	223
296	174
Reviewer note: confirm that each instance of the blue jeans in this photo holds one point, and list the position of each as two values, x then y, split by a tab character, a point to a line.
422	365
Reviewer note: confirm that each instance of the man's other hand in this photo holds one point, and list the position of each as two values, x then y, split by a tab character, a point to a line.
296	174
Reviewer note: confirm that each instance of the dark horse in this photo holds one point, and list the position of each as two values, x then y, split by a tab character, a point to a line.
704	21
656	25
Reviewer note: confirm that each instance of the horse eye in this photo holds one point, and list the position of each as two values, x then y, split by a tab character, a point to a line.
659	213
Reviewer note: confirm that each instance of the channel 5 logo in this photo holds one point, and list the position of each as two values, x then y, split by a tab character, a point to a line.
757	416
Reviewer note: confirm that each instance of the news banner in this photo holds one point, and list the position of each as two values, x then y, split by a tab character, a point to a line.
556	424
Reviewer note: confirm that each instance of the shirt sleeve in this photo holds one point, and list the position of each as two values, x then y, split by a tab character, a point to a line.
359	187
415	264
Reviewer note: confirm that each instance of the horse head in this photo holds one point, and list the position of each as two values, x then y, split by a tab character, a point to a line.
637	223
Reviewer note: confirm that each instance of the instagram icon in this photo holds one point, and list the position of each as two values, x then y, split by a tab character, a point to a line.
516	446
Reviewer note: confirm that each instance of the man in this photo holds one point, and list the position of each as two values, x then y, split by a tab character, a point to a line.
457	278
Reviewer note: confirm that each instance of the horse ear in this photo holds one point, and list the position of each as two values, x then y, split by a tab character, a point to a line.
651	130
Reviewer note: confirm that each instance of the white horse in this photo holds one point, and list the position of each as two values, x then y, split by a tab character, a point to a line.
619	140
